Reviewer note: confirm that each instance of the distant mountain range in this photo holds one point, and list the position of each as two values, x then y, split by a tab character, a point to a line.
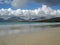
56	19
40	19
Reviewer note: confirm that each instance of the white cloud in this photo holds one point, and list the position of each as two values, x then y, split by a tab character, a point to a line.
44	11
19	3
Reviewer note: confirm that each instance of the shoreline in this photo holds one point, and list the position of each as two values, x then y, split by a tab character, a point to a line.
8	30
51	36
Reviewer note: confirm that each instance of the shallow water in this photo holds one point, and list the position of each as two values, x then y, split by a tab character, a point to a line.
10	29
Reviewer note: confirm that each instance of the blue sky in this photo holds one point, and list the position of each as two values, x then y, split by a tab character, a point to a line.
28	6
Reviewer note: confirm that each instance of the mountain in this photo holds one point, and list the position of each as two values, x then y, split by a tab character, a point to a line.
2	20
20	19
40	19
17	19
56	19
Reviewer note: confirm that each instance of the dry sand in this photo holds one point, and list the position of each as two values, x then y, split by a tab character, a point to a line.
51	36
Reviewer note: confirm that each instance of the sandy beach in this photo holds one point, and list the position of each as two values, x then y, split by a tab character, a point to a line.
51	36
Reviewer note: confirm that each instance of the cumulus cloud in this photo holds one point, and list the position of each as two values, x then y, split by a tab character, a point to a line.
44	11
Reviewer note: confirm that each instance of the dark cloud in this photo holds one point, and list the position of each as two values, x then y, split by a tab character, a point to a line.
48	2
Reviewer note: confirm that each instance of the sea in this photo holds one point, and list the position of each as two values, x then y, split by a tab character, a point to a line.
13	28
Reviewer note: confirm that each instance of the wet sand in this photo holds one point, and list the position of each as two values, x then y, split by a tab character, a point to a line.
51	36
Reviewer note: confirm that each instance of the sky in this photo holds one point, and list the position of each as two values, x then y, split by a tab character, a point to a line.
29	8
29	4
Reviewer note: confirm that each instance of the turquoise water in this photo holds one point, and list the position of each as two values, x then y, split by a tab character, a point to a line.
12	23
6	23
